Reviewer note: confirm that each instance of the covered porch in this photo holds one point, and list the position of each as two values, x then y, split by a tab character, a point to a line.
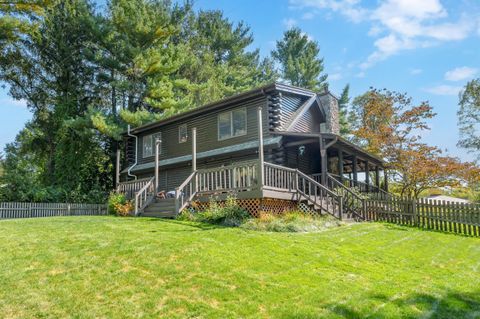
326	156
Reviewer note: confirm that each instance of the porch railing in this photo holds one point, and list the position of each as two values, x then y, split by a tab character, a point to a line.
130	188
239	177
348	182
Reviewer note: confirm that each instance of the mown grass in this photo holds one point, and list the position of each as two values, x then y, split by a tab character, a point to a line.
91	267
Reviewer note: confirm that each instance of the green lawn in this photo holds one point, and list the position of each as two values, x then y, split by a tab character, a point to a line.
91	267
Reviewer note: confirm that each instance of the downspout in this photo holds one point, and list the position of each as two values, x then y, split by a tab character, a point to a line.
136	151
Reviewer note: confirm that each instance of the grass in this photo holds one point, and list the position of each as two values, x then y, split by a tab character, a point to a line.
94	267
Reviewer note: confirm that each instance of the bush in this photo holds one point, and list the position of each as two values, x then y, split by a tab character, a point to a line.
119	205
294	221
228	214
124	209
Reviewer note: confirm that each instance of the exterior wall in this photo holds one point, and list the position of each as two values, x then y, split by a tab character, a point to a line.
310	121
289	104
308	163
207	132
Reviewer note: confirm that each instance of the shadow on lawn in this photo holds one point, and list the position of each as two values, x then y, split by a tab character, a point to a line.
452	305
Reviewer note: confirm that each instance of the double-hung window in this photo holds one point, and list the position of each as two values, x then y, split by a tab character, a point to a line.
232	123
149	144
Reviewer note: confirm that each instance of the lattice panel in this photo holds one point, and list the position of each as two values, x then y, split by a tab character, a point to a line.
306	209
256	205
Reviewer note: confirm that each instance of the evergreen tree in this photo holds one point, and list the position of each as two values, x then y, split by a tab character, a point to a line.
343	103
299	62
469	117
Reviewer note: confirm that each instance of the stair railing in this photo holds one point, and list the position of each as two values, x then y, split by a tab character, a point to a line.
186	192
280	178
320	196
353	204
144	196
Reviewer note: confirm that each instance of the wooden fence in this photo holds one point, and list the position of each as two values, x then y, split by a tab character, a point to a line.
429	214
31	210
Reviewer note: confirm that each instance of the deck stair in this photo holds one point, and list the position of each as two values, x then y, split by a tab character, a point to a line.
160	207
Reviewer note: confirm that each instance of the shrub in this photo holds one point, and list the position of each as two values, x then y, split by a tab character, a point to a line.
124	209
119	205
228	214
113	199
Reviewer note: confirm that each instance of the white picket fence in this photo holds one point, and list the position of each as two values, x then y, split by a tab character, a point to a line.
9	210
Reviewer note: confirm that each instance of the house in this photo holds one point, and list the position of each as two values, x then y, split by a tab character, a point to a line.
274	146
445	198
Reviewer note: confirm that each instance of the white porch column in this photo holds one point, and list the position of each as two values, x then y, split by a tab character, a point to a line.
261	176
157	154
194	149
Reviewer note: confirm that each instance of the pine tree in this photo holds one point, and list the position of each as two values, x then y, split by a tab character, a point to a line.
299	61
343	103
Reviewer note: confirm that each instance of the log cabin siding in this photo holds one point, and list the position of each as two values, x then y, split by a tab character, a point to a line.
309	122
207	132
289	105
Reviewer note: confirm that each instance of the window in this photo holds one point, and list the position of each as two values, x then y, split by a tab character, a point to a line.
182	133
149	144
232	124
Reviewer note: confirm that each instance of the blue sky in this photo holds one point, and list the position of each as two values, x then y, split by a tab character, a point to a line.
427	48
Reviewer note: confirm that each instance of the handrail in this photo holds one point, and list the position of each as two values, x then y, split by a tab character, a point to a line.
144	196
280	178
329	201
185	192
353	204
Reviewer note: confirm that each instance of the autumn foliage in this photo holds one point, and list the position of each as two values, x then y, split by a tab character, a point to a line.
387	124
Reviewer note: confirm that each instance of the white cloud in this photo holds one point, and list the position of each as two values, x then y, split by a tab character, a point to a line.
335	76
444	90
399	25
461	73
360	74
348	8
415	71
289	23
308	16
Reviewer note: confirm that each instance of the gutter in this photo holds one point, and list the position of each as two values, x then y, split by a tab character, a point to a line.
136	155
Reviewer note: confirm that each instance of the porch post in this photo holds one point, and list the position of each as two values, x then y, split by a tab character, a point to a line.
261	176
340	164
324	161
157	154
385	176
377	176
355	170
117	168
367	175
194	149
